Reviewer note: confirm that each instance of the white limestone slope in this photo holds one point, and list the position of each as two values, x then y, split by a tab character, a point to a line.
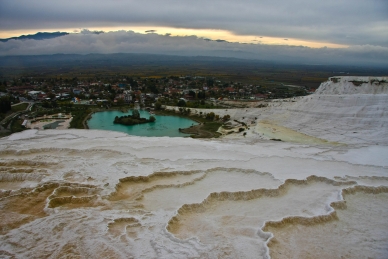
339	111
354	85
99	194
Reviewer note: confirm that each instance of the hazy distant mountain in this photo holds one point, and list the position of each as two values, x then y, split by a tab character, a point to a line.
37	36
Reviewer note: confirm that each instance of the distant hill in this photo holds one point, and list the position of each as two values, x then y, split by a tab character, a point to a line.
37	36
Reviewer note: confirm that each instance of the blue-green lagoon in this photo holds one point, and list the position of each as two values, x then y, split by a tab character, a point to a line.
163	126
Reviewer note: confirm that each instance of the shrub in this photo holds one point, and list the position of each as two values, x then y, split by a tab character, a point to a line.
158	106
334	79
357	83
181	103
210	116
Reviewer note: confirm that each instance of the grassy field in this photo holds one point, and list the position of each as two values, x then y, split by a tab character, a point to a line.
212	126
16	125
19	107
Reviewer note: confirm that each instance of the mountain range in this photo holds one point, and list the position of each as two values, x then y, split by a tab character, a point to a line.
37	36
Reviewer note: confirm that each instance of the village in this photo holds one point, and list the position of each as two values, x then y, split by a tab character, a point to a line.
126	90
76	99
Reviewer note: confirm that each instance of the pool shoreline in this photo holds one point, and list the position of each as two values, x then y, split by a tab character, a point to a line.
165	124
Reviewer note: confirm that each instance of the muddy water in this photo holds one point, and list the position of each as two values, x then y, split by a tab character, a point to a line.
273	131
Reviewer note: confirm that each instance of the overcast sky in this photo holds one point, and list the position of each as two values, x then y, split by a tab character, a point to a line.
351	29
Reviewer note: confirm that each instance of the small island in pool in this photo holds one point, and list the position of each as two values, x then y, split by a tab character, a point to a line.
133	119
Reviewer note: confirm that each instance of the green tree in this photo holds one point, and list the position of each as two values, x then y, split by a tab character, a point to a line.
158	105
226	117
210	82
210	116
201	95
51	96
120	101
152	87
181	103
192	93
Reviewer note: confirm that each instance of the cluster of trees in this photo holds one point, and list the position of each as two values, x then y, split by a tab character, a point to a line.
133	119
212	116
184	111
79	114
199	95
5	104
194	104
49	104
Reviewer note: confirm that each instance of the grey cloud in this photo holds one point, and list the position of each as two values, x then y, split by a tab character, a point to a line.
344	22
131	42
86	31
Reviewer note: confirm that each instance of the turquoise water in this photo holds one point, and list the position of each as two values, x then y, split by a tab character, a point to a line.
52	125
163	126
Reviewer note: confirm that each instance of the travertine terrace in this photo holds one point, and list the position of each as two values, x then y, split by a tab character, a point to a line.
322	192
